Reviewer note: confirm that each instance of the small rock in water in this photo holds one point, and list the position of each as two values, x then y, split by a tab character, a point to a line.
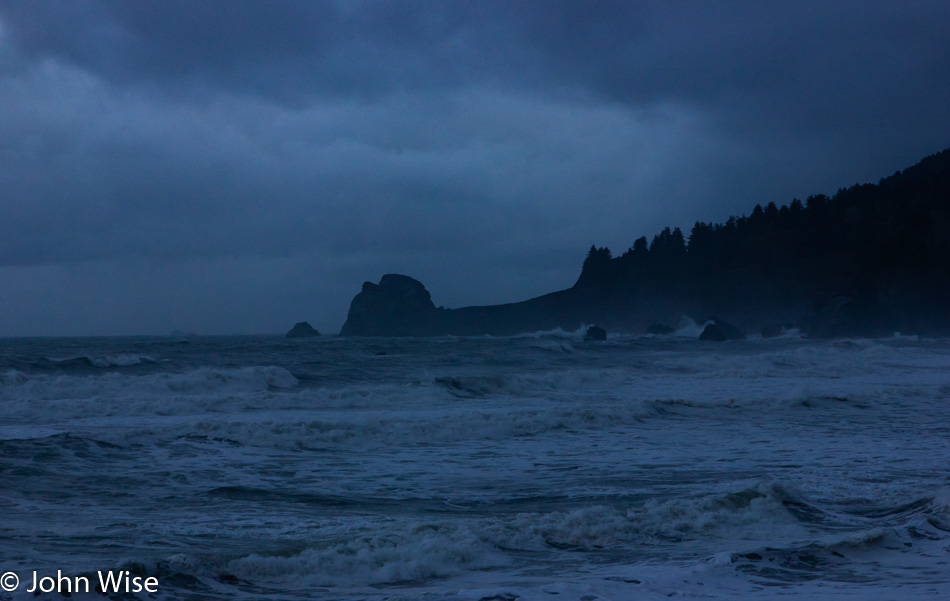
302	330
714	333
660	329
730	331
595	333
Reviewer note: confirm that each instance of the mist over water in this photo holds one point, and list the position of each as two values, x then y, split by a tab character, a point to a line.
480	468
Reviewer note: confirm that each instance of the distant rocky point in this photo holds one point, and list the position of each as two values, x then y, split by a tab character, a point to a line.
302	330
869	261
401	306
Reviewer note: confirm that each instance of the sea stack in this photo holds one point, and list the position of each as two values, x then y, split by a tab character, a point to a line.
302	330
397	306
595	333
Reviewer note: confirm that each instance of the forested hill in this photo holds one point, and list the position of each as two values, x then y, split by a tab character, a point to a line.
881	249
869	261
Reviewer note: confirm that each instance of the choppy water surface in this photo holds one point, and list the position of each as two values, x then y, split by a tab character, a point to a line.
535	467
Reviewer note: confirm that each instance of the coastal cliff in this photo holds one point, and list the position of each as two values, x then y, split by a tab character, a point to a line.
868	261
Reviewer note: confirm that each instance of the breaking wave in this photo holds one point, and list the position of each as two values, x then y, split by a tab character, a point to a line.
86	361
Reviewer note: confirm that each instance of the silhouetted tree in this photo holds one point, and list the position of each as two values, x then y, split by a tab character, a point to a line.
887	241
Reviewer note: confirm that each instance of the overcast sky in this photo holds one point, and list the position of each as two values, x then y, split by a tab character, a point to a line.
235	167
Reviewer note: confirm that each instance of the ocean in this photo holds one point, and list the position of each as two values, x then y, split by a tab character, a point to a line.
536	467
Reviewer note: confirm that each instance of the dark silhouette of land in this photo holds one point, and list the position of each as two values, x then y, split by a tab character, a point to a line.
302	329
868	261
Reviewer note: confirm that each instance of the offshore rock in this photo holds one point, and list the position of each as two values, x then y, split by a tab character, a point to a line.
595	333
714	333
843	315
730	331
302	330
660	329
719	330
397	306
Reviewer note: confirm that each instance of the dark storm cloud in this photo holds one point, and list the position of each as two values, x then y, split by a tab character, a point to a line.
815	59
286	51
480	146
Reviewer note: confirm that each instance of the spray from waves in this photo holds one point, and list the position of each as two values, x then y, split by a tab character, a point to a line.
906	337
688	328
558	345
559	333
791	334
556	340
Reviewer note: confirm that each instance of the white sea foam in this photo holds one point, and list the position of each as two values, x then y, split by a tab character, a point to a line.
422	553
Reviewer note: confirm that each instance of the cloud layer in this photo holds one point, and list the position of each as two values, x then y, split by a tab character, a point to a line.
239	166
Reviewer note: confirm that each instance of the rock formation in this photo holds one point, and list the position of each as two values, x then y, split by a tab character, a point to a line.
397	306
302	329
875	256
401	306
659	329
713	333
719	330
595	333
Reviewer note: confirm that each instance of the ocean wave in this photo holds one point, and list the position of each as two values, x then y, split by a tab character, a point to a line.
105	361
521	385
576	335
423	550
40	397
854	542
357	551
54	448
858	556
407	555
417	551
369	429
13	377
749	513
